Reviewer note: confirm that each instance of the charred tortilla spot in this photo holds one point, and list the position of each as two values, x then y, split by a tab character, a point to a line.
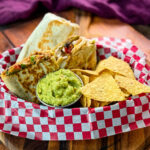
27	78
23	72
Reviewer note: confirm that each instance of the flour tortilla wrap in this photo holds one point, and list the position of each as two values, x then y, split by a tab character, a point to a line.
51	31
21	78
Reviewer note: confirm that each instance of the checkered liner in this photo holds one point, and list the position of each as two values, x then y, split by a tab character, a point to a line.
38	122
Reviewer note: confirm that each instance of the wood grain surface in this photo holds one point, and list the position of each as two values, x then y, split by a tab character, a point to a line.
91	26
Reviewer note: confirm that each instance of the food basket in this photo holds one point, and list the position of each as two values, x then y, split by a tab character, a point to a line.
38	122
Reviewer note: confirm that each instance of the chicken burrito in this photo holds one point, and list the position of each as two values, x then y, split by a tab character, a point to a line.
51	31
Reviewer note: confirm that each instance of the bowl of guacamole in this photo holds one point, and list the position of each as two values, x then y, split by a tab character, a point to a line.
59	89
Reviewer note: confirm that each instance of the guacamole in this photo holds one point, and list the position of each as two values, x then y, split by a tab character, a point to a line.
59	88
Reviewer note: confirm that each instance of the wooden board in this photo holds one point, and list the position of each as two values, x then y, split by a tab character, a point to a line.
16	34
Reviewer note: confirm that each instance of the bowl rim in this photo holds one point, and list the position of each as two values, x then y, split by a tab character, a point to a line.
59	106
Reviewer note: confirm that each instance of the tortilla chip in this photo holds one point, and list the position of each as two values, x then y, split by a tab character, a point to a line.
104	103
79	74
92	78
87	72
115	65
81	53
98	103
86	81
92	60
88	102
132	86
127	94
95	103
83	101
83	98
104	88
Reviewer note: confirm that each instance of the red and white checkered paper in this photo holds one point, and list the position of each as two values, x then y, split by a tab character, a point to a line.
38	122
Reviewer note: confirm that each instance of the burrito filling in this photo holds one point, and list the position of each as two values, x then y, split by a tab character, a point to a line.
35	58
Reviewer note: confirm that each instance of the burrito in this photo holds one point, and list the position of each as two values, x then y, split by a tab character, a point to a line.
76	52
51	31
22	77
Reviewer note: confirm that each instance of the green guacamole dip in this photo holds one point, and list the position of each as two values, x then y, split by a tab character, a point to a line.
59	88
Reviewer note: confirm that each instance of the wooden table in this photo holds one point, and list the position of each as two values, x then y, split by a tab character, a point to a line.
15	34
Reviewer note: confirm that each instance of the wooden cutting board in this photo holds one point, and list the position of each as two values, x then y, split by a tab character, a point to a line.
91	26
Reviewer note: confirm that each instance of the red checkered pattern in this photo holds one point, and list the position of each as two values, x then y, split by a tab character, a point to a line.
38	122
